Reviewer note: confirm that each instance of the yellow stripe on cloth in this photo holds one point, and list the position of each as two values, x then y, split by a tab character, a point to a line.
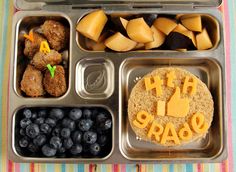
5	85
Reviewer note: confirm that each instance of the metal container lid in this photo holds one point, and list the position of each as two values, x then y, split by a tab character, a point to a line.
39	4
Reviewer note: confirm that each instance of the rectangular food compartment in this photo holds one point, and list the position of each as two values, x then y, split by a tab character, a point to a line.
208	21
106	147
24	25
95	78
209	148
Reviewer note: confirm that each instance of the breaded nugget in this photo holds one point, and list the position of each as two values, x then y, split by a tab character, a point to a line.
40	59
55	86
32	82
56	34
33	47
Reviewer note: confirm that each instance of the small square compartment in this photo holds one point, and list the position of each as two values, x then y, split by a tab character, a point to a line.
95	78
209	148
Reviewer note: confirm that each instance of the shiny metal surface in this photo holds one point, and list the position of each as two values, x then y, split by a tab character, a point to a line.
209	65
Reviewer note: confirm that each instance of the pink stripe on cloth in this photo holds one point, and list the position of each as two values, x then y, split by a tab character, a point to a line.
199	167
123	168
10	166
223	168
17	167
228	82
115	168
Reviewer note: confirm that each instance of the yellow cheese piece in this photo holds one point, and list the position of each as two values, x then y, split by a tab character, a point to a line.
44	47
185	133
203	40
161	108
192	23
157	84
142	119
30	36
170	77
188	83
169	134
177	106
156	130
198	123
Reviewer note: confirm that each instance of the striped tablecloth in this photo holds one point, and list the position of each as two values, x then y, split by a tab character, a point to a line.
229	13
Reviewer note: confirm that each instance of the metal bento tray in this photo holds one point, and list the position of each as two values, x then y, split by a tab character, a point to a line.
120	71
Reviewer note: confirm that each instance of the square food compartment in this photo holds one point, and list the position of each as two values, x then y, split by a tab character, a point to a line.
209	148
95	78
106	146
23	26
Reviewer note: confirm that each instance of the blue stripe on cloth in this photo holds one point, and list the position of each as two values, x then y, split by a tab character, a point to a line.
50	167
128	168
80	168
232	18
157	168
171	168
189	167
63	168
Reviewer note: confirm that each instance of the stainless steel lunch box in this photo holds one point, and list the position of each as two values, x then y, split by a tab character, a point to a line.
120	72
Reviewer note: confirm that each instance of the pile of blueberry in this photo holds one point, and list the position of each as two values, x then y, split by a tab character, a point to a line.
64	132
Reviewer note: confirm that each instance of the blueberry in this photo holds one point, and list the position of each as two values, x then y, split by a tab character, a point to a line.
22	132
32	130
25	122
76	149
40	140
45	128
56	113
90	137
42	113
39	121
65	132
61	150
67	143
87	114
33	148
34	115
102	140
55	142
85	124
56	131
95	149
95	113
48	151
105	125
75	114
77	136
51	122
23	142
27	113
101	117
68	123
